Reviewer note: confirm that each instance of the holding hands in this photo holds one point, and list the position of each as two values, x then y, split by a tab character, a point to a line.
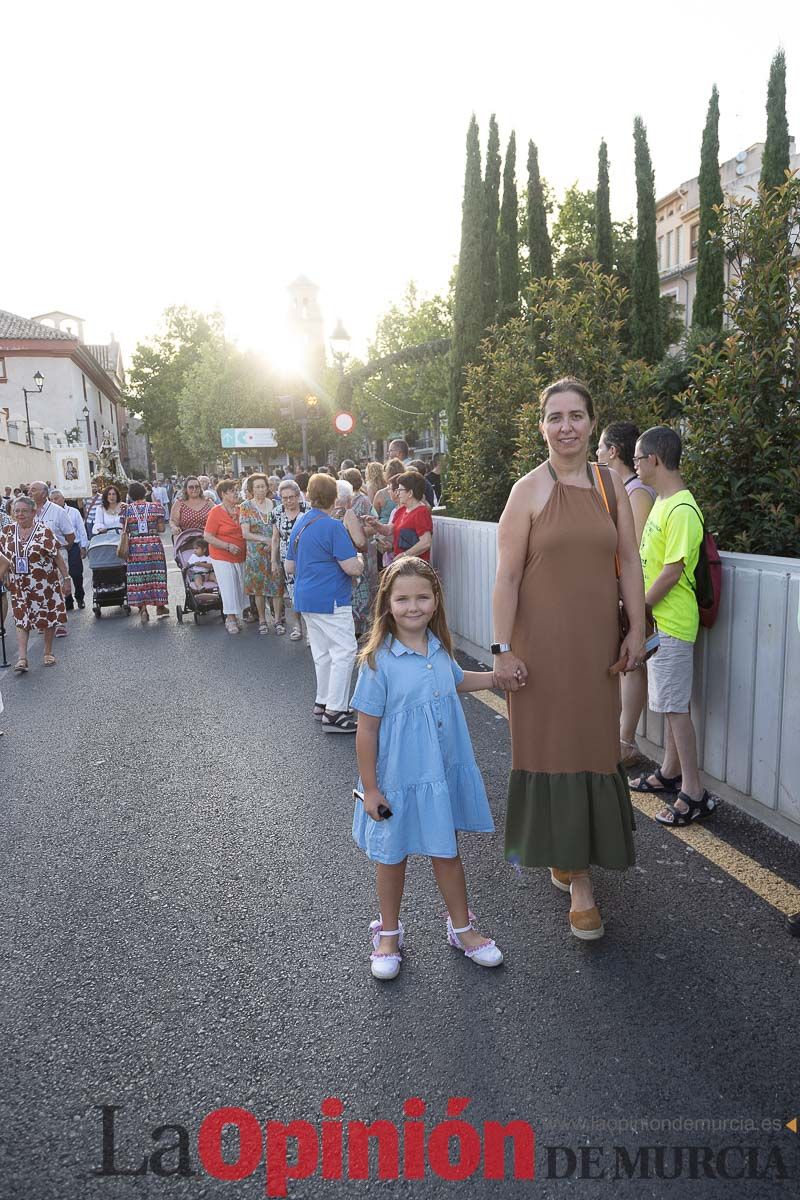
510	672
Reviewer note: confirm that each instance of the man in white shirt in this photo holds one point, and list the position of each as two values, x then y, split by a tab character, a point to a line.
56	519
76	552
161	494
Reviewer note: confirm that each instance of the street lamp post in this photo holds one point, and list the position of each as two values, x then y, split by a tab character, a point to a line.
38	379
340	346
86	419
309	408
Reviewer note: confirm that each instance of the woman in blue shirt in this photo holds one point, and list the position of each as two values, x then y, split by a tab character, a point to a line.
324	562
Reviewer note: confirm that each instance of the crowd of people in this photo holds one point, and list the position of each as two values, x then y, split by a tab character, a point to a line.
581	545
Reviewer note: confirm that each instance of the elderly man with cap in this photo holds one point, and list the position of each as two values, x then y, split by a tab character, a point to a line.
55	519
76	552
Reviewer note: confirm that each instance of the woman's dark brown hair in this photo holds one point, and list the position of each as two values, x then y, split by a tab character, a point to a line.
112	487
192	479
567	384
227	485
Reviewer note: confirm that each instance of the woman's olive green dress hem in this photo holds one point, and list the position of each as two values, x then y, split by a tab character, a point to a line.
570	821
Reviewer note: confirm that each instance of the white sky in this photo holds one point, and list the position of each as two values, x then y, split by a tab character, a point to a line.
207	153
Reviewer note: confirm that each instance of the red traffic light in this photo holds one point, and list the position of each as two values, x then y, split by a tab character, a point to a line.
344	422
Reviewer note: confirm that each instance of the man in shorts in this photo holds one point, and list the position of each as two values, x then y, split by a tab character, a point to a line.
669	550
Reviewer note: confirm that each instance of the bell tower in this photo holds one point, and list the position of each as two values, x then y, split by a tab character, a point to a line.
306	327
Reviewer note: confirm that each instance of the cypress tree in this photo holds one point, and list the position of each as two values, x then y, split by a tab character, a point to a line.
603	238
539	248
509	237
646	325
776	148
468	300
707	310
491	186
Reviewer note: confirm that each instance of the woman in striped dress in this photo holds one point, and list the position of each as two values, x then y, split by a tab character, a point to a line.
147	566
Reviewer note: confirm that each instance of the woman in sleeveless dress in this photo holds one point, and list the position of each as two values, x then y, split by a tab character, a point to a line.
558	655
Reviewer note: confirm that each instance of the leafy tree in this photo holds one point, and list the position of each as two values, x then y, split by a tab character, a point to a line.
468	302
574	231
603	234
224	388
491	214
540	254
158	373
407	397
646	320
742	409
775	162
509	236
707	310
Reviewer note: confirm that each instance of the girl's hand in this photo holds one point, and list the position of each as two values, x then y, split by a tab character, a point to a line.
372	801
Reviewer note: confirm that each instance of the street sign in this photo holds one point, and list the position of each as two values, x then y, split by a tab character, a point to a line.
344	422
233	439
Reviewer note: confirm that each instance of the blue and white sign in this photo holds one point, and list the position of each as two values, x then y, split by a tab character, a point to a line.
237	439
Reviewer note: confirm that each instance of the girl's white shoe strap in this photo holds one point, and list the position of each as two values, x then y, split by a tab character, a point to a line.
466	928
388	932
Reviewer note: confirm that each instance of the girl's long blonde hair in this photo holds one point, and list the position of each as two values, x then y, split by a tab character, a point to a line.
383	624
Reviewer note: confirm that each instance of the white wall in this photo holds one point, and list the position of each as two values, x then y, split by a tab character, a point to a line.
21	463
60	404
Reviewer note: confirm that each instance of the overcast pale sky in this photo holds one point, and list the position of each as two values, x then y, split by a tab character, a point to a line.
207	153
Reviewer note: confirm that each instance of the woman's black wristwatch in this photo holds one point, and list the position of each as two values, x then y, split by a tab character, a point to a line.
499	647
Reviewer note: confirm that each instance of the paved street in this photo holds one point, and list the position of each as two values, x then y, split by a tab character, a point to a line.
185	927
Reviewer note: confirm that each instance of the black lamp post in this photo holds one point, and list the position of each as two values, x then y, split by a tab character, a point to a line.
38	379
340	345
86	419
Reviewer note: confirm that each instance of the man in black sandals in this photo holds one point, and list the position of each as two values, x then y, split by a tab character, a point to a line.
670	548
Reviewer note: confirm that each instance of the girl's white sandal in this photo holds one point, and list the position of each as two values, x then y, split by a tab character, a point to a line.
386	966
487	955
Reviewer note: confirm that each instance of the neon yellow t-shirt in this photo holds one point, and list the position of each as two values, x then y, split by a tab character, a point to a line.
674	530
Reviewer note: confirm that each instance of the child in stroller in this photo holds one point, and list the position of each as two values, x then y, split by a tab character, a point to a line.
199	580
201	566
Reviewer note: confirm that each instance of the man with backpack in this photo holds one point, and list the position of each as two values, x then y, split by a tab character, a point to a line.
671	546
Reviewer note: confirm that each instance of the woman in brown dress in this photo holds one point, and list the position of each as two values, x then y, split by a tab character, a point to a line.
34	573
558	654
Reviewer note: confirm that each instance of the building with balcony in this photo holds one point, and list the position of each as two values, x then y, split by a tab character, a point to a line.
678	222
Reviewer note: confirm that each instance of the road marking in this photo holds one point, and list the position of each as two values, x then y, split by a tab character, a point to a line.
777	892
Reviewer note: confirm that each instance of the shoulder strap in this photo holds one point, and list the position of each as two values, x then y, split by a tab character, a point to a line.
686	504
302	530
602	488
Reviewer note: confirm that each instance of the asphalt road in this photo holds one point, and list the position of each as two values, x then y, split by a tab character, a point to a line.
185	927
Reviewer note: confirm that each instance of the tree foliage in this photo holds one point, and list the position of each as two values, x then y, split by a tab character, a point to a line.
157	376
508	244
742	409
468	300
540	253
491	216
775	162
224	388
603	231
707	309
408	397
647	337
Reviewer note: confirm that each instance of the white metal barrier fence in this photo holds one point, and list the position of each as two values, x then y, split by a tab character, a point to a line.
746	701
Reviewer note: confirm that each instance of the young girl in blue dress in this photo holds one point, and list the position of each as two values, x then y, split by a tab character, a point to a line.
415	759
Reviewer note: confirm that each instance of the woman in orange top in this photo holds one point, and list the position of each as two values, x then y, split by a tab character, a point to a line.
226	547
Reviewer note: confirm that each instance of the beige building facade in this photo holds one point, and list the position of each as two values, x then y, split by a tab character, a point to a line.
678	222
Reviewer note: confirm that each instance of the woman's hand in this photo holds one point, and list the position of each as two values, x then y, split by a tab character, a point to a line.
509	672
631	653
373	799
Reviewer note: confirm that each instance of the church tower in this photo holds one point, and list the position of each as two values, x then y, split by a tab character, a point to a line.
306	327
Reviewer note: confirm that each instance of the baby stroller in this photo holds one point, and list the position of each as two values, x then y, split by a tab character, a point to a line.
197	600
109	573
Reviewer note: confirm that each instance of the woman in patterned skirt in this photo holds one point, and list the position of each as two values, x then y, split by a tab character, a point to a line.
255	518
147	566
30	565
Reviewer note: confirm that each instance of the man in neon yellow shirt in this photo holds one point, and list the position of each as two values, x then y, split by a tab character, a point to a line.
669	550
